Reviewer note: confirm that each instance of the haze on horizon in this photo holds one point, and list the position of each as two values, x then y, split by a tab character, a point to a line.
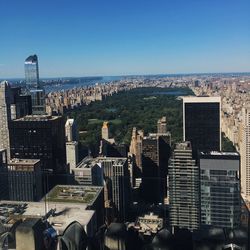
100	38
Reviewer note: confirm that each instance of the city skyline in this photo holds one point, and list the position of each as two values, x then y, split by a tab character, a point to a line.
125	38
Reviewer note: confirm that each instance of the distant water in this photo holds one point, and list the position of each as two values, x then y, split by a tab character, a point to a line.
81	82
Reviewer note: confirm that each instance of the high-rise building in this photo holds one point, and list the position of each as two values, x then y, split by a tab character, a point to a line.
116	175
71	132
6	99
72	154
162	125
25	180
32	83
105	131
220	189
4	190
136	146
184	186
245	152
22	105
155	155
88	172
202	123
40	137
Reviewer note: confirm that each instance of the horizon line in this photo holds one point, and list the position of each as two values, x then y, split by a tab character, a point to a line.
131	75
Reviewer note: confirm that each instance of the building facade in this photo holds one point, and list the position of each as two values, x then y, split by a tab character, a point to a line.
202	123
4	189
5	116
25	180
245	152
33	85
220	189
116	176
72	154
184	188
71	132
155	155
40	137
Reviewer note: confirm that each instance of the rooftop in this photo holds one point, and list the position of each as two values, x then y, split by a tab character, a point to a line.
37	118
201	99
16	161
89	162
220	153
11	211
74	194
31	59
69	122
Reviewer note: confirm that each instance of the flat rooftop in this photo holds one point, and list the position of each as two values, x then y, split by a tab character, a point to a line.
35	118
220	153
74	194
16	161
11	211
201	99
89	162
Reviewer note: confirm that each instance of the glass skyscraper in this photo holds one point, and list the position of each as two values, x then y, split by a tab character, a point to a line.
202	122
220	189
32	83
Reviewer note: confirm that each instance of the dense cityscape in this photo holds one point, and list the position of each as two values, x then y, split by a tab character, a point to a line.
161	190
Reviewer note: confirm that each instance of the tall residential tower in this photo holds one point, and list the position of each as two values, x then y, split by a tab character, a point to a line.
245	152
5	116
184	186
32	83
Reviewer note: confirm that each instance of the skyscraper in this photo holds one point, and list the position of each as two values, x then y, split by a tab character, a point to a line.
4	191
40	137
202	123
71	133
220	189
5	116
184	186
155	156
162	125
32	83
245	152
25	180
116	176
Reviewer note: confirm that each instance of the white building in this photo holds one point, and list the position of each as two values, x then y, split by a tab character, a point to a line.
245	152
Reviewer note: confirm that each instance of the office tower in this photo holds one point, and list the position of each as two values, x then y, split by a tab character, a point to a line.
32	83
6	99
155	155
113	150
105	131
136	146
220	189
71	132
40	137
72	154
116	176
162	125
88	172
4	190
184	184
202	123
245	152
22	105
25	180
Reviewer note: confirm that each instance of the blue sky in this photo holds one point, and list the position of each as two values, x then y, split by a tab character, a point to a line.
117	37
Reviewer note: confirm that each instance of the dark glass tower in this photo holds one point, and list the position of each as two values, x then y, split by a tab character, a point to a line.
201	123
32	83
39	137
220	189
